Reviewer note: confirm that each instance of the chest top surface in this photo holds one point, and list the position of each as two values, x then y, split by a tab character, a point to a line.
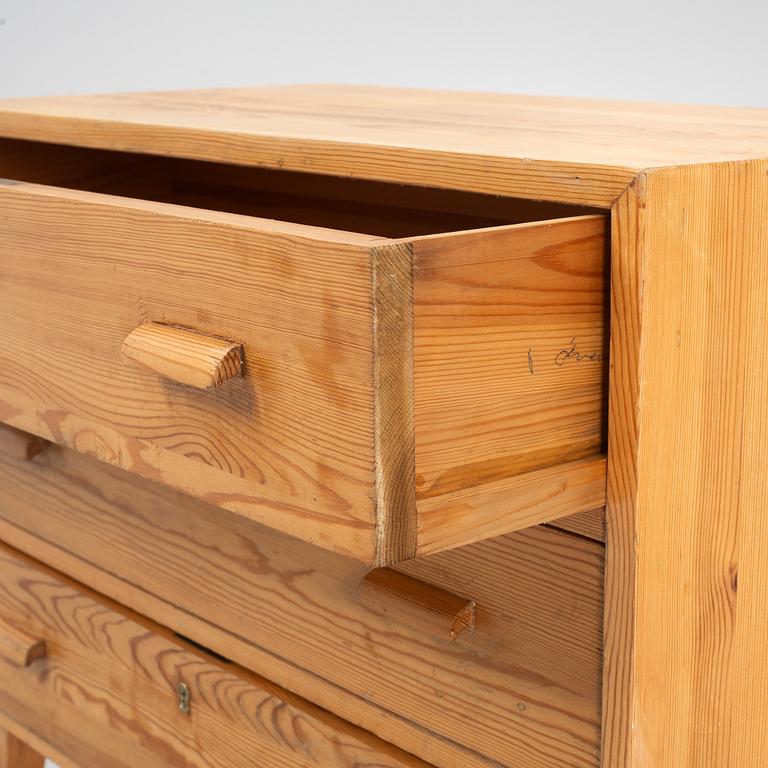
575	150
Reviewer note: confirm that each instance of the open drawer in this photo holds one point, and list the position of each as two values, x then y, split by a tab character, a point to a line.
382	387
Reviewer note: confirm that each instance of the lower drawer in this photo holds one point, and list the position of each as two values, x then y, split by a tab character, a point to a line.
104	688
520	688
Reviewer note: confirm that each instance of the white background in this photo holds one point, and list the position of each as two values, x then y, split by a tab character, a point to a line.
677	50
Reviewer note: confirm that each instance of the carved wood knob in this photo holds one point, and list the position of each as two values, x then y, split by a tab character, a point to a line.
183	355
18	647
20	445
417	603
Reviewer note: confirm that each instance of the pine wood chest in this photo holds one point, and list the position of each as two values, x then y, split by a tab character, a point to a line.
369	427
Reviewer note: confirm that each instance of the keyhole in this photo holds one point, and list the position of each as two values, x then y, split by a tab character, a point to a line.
184	696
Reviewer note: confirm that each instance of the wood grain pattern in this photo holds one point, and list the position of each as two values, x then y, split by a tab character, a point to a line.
395	593
343	203
107	692
394	450
14	753
19	444
37	744
395	210
19	647
523	687
184	356
590	523
493	509
627	234
576	150
686	672
510	341
686	643
483	362
290	443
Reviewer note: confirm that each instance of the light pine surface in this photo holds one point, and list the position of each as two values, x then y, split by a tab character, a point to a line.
590	523
509	372
107	693
539	496
19	647
510	350
687	563
15	753
379	376
686	676
20	444
183	355
576	150
524	684
42	754
290	443
410	600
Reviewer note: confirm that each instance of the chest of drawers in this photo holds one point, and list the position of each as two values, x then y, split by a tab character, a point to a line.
367	427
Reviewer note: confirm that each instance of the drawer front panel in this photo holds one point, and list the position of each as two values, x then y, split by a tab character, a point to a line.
290	442
113	690
522	688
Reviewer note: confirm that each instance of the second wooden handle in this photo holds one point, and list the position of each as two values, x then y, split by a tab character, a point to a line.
416	602
20	445
183	355
18	647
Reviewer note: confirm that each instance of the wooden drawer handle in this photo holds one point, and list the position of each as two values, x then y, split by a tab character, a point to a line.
20	445
18	647
184	356
411	601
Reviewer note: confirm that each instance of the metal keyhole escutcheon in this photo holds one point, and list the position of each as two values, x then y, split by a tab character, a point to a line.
184	696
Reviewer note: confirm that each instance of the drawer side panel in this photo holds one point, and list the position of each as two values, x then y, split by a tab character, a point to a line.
510	368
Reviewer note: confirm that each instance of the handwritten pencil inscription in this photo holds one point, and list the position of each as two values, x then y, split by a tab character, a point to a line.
570	353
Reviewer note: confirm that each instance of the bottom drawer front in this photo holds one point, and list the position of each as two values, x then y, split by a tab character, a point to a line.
110	689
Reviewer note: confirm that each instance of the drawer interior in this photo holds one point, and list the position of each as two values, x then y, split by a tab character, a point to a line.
341	203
